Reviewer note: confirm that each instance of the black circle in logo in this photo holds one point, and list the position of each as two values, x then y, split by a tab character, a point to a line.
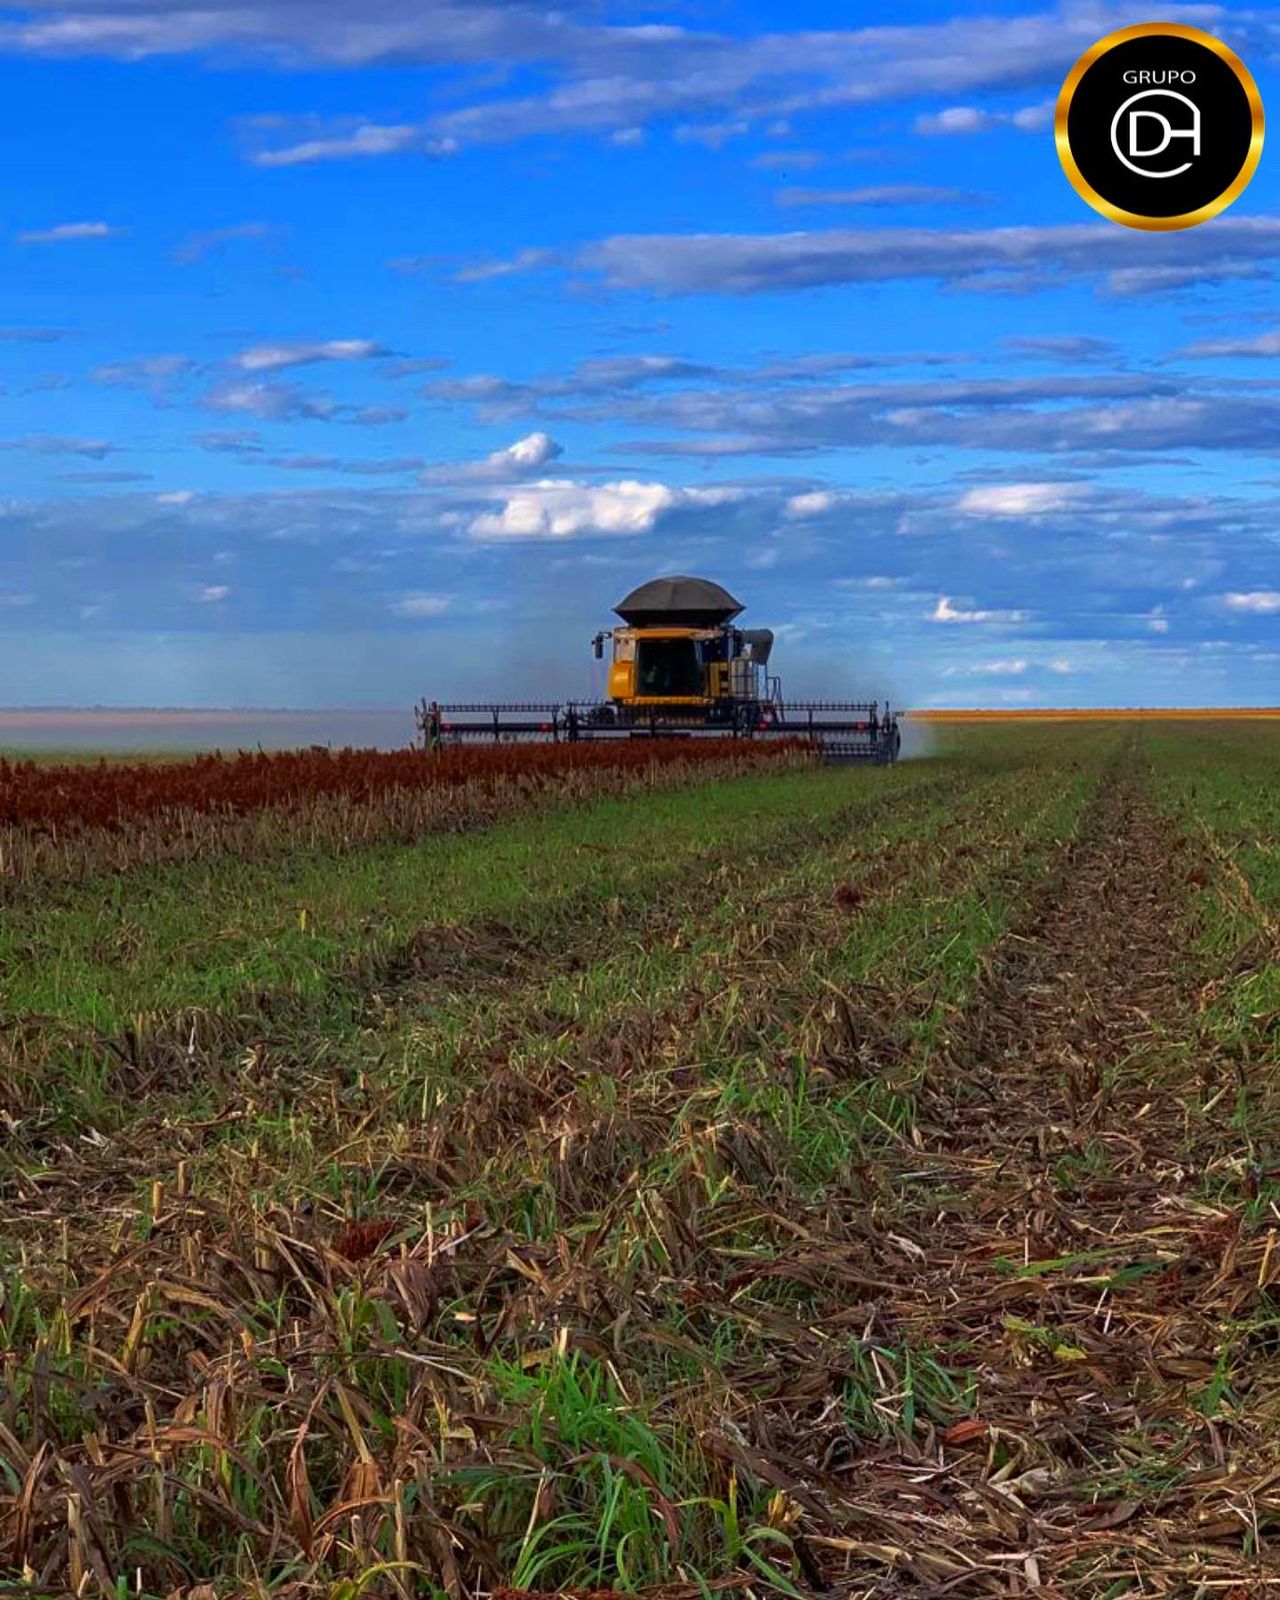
1159	126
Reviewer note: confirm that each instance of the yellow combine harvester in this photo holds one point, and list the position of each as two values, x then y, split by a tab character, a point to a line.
680	668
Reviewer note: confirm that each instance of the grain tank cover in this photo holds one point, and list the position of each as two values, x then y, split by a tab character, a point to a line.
678	603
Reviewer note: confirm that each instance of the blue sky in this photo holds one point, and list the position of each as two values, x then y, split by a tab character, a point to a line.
351	353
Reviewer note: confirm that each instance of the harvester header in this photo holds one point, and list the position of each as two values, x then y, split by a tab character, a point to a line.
679	668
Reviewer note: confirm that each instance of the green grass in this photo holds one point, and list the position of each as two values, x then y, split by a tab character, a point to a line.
213	935
1223	790
639	1125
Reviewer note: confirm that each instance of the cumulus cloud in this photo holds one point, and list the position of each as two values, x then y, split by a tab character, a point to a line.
67	232
338	557
800	507
534	451
970	119
1258	602
556	508
944	611
278	357
525	456
212	593
1020	499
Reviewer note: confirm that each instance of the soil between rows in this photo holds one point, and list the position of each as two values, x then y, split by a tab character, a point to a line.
1052	1229
1045	1232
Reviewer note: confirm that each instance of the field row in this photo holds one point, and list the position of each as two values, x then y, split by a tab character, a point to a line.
819	1179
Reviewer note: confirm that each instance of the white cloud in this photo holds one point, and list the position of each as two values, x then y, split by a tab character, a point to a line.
969	119
526	455
147	372
34	335
973	258
534	451
64	232
1068	347
196	246
176	497
888	194
803	506
1264	344
876	581
419	605
944	611
562	509
955	119
373	416
1258	602
1020	499
45	444
1011	668
272	402
212	593
532	260
713	135
277	357
1157	622
366	139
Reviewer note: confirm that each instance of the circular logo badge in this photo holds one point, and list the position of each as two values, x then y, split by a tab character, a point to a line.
1159	126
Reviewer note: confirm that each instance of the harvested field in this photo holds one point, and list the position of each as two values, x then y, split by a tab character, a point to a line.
1100	714
800	1182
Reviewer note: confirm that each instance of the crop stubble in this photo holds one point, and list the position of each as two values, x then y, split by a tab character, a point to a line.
873	1228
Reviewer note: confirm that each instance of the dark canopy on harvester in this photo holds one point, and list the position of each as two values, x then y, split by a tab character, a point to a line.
678	603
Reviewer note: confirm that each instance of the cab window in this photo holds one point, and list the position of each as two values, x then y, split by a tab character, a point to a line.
668	667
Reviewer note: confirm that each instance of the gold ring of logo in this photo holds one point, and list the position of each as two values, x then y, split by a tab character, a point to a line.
1134	219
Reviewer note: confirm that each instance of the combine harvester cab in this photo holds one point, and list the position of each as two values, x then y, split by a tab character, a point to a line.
679	668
